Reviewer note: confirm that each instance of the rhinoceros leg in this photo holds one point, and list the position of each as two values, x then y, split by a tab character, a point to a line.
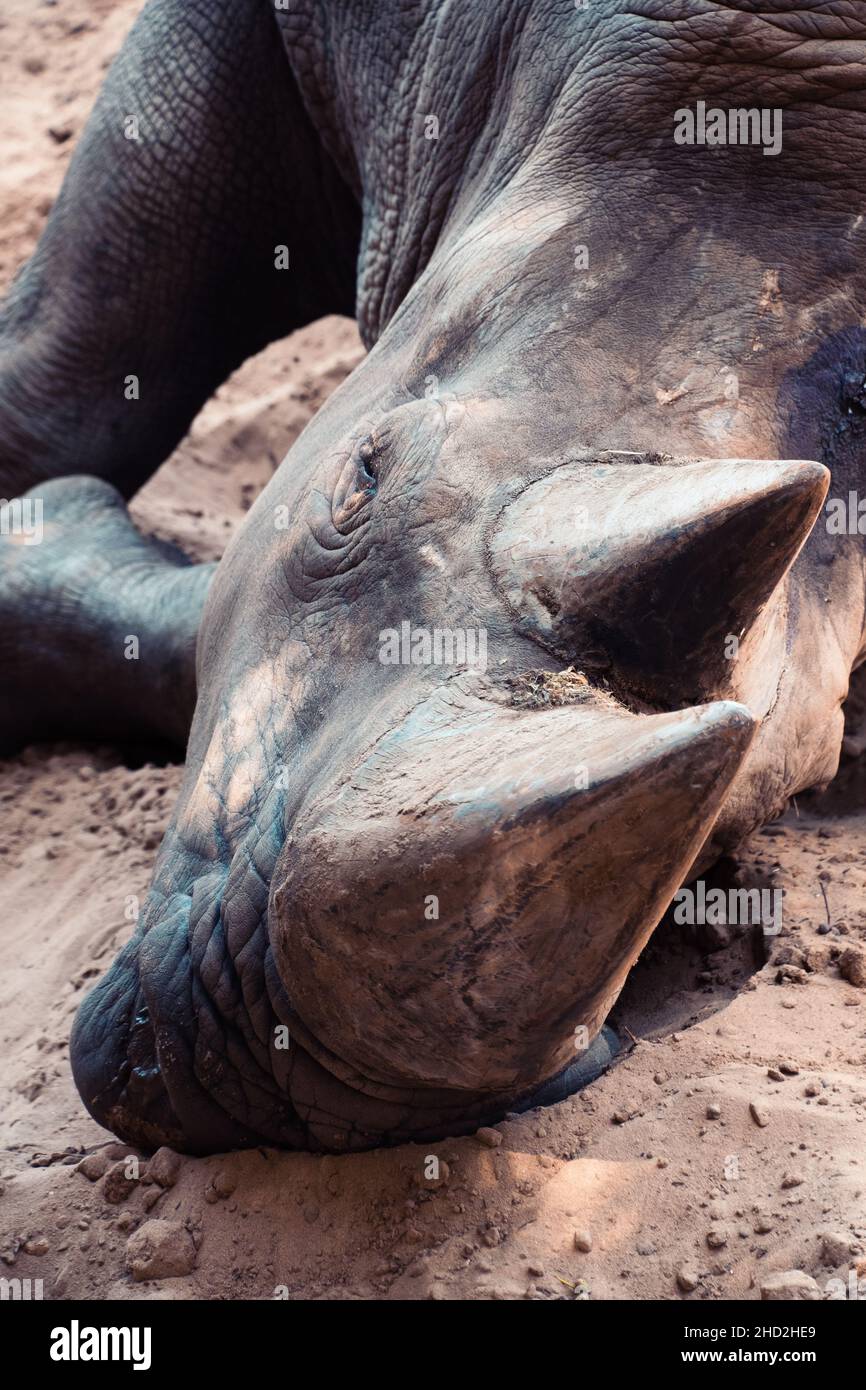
156	274
98	624
158	262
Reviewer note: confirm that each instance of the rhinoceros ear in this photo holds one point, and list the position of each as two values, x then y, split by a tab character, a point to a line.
480	885
646	570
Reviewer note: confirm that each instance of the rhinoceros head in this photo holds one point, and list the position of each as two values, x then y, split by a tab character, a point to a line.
469	712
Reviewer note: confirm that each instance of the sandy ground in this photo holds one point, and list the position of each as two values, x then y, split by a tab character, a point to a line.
690	1170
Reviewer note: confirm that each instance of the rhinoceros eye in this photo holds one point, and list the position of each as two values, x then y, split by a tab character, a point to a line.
358	483
368	465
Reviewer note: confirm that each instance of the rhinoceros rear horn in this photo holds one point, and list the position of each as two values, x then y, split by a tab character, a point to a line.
463	911
644	571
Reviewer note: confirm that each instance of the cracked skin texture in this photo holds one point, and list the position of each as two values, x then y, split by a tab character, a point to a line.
271	903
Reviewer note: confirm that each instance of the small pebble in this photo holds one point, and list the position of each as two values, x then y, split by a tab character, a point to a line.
95	1165
792	1180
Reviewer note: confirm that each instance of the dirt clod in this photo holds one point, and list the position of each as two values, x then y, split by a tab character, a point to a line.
160	1250
852	966
788	1286
164	1167
118	1185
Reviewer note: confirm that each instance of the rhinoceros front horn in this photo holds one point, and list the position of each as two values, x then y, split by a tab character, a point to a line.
479	886
642	571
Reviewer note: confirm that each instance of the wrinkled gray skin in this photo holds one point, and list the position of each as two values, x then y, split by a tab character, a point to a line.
326	794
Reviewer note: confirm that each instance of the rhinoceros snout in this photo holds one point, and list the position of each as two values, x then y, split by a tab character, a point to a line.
143	1048
114	1059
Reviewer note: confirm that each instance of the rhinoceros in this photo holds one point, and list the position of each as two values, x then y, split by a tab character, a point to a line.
541	614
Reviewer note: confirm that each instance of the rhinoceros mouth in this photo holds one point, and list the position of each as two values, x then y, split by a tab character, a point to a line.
170	1048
